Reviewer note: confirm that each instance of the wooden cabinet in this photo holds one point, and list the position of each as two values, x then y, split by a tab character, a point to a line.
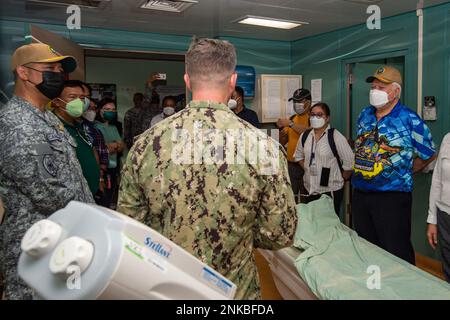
272	95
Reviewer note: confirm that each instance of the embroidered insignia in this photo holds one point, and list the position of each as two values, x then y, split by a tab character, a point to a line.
49	166
53	137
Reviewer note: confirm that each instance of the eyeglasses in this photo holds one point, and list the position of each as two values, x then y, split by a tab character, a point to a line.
319	115
47	67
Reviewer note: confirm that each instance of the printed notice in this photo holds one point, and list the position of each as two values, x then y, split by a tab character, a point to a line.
272	97
316	90
291	85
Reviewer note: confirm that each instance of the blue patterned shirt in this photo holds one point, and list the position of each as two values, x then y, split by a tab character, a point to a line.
385	149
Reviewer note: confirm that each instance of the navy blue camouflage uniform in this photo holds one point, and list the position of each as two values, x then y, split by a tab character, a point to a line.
39	174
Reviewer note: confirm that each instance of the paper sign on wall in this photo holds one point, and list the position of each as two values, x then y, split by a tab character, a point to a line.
291	85
316	90
272	94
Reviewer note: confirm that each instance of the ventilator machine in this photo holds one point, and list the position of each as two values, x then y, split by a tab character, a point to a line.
85	251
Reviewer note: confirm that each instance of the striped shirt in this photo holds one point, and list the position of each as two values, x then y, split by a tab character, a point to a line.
97	140
318	155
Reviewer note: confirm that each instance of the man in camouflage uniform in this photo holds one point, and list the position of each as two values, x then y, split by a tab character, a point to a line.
217	210
39	171
133	120
151	104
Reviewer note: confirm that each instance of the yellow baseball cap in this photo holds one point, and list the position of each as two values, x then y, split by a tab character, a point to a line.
41	52
386	74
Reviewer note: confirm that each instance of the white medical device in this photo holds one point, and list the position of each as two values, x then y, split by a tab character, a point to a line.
89	252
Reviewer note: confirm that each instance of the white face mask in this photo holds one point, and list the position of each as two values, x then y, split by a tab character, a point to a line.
168	111
89	115
299	108
232	104
378	98
317	122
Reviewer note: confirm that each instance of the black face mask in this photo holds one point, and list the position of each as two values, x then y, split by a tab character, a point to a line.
52	83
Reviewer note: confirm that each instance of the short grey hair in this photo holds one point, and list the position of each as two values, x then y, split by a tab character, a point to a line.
210	61
398	86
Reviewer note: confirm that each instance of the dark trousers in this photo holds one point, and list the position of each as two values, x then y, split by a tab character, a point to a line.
296	176
337	196
107	198
443	226
384	218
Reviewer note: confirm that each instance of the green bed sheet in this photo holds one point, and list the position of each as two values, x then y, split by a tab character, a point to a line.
337	264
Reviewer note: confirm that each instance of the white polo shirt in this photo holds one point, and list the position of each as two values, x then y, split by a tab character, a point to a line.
318	154
156	119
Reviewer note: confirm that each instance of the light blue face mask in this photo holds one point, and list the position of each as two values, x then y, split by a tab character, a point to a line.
87	103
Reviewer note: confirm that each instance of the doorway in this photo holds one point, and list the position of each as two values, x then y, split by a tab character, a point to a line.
122	72
128	72
358	88
357	98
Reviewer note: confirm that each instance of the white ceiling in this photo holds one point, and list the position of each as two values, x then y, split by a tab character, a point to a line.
213	18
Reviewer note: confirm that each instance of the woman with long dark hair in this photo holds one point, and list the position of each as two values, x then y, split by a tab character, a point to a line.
106	117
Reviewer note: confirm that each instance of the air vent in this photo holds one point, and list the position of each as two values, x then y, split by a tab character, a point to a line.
168	5
82	3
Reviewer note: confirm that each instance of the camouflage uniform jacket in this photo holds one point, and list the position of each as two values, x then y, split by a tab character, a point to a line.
132	125
39	174
219	211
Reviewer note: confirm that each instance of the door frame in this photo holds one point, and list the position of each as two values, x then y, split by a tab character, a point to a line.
345	98
344	68
138	55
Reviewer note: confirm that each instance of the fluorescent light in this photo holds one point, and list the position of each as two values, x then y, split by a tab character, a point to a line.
270	22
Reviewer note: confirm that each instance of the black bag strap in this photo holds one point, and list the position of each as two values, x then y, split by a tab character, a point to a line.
305	136
332	144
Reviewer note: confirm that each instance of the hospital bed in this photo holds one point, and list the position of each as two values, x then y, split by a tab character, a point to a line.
285	275
105	255
330	261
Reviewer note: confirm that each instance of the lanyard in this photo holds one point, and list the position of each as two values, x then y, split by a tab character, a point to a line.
313	151
83	135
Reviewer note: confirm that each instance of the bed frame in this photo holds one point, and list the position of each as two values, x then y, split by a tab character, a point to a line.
287	280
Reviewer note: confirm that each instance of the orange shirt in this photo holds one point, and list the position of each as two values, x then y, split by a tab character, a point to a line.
293	136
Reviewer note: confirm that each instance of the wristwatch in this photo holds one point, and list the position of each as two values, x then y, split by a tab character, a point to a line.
291	124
